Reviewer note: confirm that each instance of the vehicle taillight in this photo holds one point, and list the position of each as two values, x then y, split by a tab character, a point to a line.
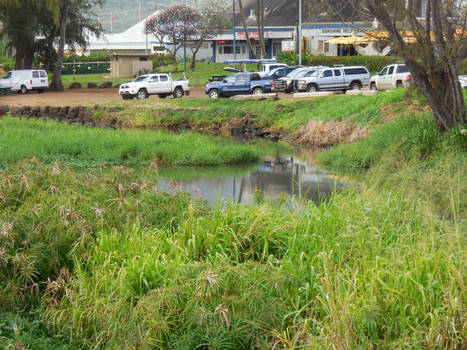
31	82
273	84
408	77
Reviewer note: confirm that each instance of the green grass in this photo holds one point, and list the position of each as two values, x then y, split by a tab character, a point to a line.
98	79
50	141
198	77
286	115
110	262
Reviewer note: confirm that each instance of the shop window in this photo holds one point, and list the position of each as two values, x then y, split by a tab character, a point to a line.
323	46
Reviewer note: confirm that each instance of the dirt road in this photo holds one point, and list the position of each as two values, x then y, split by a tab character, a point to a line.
74	97
80	97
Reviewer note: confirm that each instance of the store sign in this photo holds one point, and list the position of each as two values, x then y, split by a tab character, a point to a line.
337	30
253	35
288	45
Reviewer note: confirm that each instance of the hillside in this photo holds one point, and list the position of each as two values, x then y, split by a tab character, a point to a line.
126	12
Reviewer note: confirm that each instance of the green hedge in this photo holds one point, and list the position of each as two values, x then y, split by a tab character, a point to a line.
161	60
373	63
7	63
95	57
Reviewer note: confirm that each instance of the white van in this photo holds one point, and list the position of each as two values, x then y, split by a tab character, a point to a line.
27	79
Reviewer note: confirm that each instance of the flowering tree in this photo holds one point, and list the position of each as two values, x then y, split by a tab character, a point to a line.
174	24
212	21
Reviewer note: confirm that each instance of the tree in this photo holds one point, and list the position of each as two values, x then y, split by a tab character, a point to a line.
21	22
212	21
245	29
175	24
74	27
431	36
260	23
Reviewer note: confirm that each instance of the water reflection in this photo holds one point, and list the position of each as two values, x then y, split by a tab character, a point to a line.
273	178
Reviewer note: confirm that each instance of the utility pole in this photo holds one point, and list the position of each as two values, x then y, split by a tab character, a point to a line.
184	42
234	34
300	40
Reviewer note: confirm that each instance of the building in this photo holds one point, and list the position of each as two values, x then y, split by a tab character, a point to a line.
130	65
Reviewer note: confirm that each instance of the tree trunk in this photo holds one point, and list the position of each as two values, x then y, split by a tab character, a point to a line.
260	22
57	84
24	55
194	52
242	15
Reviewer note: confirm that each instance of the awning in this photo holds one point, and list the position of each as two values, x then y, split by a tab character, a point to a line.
345	40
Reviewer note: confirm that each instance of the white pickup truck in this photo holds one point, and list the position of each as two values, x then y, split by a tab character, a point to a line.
335	78
391	77
154	84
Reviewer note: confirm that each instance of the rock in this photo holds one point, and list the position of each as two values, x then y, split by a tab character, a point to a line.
313	94
73	112
273	96
45	110
4	109
75	85
106	85
36	111
54	111
370	92
92	86
19	110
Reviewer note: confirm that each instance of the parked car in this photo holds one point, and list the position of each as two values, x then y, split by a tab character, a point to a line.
287	83
335	78
238	84
463	81
154	84
280	72
267	67
391	77
26	80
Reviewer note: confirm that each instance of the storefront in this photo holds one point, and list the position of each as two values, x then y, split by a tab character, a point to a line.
223	45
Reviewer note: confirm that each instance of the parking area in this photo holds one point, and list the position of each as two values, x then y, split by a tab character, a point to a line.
71	97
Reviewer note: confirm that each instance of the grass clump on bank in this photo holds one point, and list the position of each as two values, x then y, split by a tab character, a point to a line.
50	141
411	155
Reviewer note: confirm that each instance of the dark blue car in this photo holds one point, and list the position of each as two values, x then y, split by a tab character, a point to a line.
238	84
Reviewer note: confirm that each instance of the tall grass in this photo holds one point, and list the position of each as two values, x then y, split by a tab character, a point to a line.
50	141
410	155
363	271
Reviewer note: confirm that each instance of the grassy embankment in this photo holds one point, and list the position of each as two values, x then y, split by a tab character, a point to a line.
336	117
130	267
51	141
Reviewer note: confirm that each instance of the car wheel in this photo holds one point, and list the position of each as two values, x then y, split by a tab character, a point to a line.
142	94
373	87
23	90
399	84
178	93
214	94
312	88
355	86
257	91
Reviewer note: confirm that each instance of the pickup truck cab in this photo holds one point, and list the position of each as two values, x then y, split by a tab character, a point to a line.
280	72
335	78
238	84
287	83
267	67
154	84
391	77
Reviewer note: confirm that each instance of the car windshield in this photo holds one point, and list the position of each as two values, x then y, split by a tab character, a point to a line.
302	73
315	73
7	76
271	72
295	73
140	79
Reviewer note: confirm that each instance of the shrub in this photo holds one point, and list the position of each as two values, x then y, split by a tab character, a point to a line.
7	63
161	60
373	63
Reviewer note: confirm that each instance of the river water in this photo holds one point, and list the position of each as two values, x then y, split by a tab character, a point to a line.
283	175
